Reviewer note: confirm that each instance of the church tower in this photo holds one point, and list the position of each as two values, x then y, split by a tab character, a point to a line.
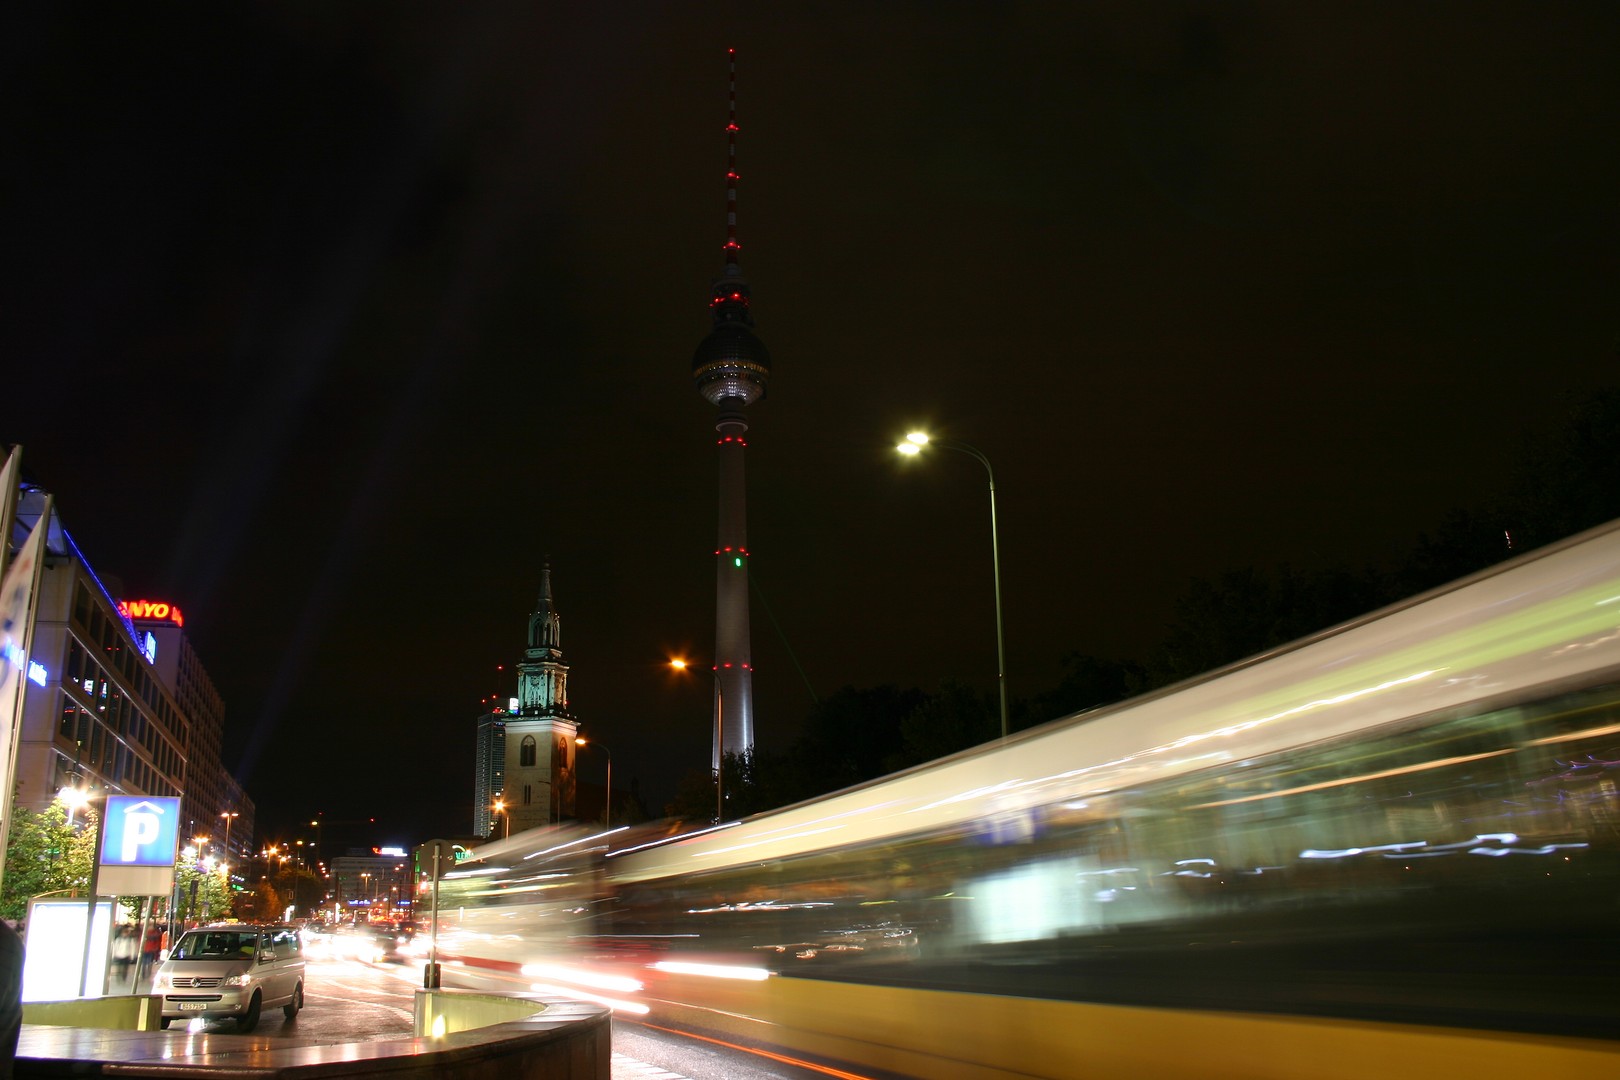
730	368
539	742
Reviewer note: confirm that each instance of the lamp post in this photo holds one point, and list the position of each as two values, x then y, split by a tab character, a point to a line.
499	806
320	816
607	812
681	665
913	445
229	817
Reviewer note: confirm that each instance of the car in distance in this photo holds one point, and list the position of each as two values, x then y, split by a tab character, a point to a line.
235	970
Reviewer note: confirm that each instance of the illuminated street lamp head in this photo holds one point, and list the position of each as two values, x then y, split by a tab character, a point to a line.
678	664
914	443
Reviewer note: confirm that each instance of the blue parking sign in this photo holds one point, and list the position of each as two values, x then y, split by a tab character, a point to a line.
140	831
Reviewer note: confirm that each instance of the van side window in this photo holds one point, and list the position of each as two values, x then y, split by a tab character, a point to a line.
286	944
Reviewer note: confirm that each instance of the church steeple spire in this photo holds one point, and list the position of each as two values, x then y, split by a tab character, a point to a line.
542	676
545	628
537	742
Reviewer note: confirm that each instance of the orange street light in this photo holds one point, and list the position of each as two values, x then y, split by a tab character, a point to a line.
607	814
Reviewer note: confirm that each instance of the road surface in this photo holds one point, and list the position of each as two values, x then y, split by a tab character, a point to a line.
361	1002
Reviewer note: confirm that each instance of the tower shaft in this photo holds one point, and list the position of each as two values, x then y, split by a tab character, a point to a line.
733	659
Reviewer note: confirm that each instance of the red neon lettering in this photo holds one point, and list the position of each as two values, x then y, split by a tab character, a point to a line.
147	609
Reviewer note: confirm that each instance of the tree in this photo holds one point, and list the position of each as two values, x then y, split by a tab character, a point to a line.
747	789
851	736
47	855
203	891
1570	481
954	719
1246	612
694	797
1087	683
263	904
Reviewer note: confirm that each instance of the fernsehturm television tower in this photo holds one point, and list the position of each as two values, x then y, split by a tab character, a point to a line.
731	368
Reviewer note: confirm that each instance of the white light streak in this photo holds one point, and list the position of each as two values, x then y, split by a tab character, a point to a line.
573	843
663	840
619	983
713	971
616	1004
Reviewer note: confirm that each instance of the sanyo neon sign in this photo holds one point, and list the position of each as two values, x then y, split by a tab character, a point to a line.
152	609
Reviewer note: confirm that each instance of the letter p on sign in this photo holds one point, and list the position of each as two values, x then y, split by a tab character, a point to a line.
140	829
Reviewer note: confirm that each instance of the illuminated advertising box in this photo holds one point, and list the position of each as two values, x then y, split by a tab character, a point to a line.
138	842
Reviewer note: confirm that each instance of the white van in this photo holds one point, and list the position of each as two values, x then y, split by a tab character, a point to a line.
232	969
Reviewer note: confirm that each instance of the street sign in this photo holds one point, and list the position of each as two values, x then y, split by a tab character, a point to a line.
138	840
140	831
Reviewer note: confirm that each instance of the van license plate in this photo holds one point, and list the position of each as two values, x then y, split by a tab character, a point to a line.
192	1006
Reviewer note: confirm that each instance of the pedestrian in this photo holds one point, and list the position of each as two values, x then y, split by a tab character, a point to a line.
124	949
150	948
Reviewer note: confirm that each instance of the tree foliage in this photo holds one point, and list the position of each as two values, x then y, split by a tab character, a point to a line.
1569	481
204	895
1246	612
1088	682
262	903
953	719
45	855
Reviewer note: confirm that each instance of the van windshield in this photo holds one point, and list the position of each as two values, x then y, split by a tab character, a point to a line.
216	945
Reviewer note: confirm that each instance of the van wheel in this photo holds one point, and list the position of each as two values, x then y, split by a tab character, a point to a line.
165	1022
290	1009
250	1019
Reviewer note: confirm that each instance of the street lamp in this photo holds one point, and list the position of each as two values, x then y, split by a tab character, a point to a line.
316	825
499	807
229	817
607	813
75	800
913	446
680	664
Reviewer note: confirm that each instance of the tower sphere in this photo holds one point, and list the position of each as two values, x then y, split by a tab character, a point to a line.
731	363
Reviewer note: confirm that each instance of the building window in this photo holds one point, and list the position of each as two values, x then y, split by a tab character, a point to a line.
526	753
528	794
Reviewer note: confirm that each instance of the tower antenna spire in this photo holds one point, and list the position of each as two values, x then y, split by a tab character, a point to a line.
733	249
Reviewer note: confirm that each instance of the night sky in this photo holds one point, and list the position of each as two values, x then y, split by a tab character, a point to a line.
331	323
